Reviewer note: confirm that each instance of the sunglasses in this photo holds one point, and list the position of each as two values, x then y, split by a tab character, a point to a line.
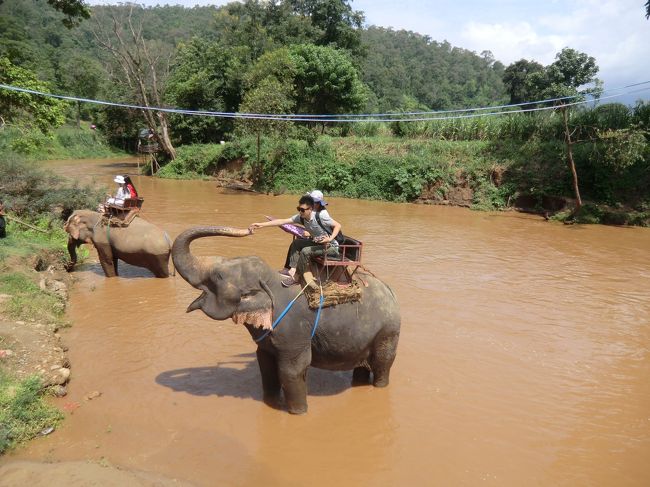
302	210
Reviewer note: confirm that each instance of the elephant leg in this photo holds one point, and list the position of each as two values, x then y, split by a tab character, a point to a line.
360	376
270	380
106	260
293	377
382	360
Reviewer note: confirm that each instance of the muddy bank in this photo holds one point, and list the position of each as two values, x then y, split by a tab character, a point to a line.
79	474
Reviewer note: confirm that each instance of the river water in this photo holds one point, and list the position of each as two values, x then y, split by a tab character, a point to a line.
523	357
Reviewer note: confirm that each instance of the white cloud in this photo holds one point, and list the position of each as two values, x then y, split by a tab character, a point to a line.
511	42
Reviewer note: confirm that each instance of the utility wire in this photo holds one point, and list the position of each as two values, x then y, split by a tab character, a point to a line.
351	118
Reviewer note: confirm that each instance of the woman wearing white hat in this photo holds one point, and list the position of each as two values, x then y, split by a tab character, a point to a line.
121	194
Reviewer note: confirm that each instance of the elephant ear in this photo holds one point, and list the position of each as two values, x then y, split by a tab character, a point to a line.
256	308
72	226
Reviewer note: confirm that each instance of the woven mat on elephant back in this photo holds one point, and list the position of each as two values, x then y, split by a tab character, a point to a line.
334	293
114	221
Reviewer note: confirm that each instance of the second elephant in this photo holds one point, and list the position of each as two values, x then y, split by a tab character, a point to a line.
141	243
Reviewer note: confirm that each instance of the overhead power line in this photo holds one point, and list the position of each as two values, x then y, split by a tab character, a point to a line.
366	117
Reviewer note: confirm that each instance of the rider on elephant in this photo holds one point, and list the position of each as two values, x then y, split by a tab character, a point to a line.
323	231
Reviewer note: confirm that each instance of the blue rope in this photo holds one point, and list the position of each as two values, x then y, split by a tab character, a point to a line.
279	318
320	307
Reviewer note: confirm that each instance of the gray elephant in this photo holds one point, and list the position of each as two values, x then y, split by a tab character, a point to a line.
360	336
141	243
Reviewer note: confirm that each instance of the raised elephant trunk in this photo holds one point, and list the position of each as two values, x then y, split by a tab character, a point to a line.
192	269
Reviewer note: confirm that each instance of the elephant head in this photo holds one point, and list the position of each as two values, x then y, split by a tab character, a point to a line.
237	288
80	225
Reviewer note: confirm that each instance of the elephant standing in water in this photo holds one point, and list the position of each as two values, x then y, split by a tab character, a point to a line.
141	243
360	336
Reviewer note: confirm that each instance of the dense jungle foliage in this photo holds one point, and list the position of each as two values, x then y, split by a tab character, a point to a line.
318	57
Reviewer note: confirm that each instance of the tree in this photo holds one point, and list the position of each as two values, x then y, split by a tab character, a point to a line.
142	68
571	70
82	78
326	82
19	107
516	80
338	24
205	76
75	11
269	96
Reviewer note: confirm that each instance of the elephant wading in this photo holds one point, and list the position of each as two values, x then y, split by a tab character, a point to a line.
141	243
360	336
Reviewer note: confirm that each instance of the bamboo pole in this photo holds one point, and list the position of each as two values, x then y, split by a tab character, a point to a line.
13	218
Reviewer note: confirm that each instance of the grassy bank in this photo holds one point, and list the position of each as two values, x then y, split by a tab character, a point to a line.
67	142
24	410
491	174
33	292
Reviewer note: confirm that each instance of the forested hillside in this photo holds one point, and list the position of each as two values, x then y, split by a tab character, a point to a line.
315	57
407	70
402	69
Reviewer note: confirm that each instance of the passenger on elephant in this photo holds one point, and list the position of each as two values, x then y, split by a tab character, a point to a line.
130	187
322	239
297	244
120	195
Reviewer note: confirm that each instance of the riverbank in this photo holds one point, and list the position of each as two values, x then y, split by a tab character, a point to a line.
530	176
33	362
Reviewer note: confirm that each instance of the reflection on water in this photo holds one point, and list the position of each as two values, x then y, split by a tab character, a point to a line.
523	357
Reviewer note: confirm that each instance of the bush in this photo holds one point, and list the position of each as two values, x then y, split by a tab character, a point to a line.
193	161
30	191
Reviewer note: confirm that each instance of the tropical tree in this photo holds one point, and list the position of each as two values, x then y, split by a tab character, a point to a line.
270	96
337	23
142	67
570	70
26	108
81	77
516	79
326	81
205	76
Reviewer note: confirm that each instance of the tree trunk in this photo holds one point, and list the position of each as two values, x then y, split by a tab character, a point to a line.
78	114
572	166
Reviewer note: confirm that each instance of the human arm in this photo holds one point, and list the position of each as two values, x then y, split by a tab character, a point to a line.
336	228
271	223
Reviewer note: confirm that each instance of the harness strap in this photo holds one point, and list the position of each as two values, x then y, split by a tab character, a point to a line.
279	318
320	307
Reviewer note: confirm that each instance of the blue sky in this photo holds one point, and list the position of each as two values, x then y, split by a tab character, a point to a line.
615	32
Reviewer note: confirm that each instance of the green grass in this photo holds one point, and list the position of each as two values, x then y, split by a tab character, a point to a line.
22	252
67	142
23	411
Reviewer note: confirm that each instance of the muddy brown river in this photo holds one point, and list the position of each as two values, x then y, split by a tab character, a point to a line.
523	358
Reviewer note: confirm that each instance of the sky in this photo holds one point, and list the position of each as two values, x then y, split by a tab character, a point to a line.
615	32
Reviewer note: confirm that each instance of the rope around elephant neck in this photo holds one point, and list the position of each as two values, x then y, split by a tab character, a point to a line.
279	318
320	307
